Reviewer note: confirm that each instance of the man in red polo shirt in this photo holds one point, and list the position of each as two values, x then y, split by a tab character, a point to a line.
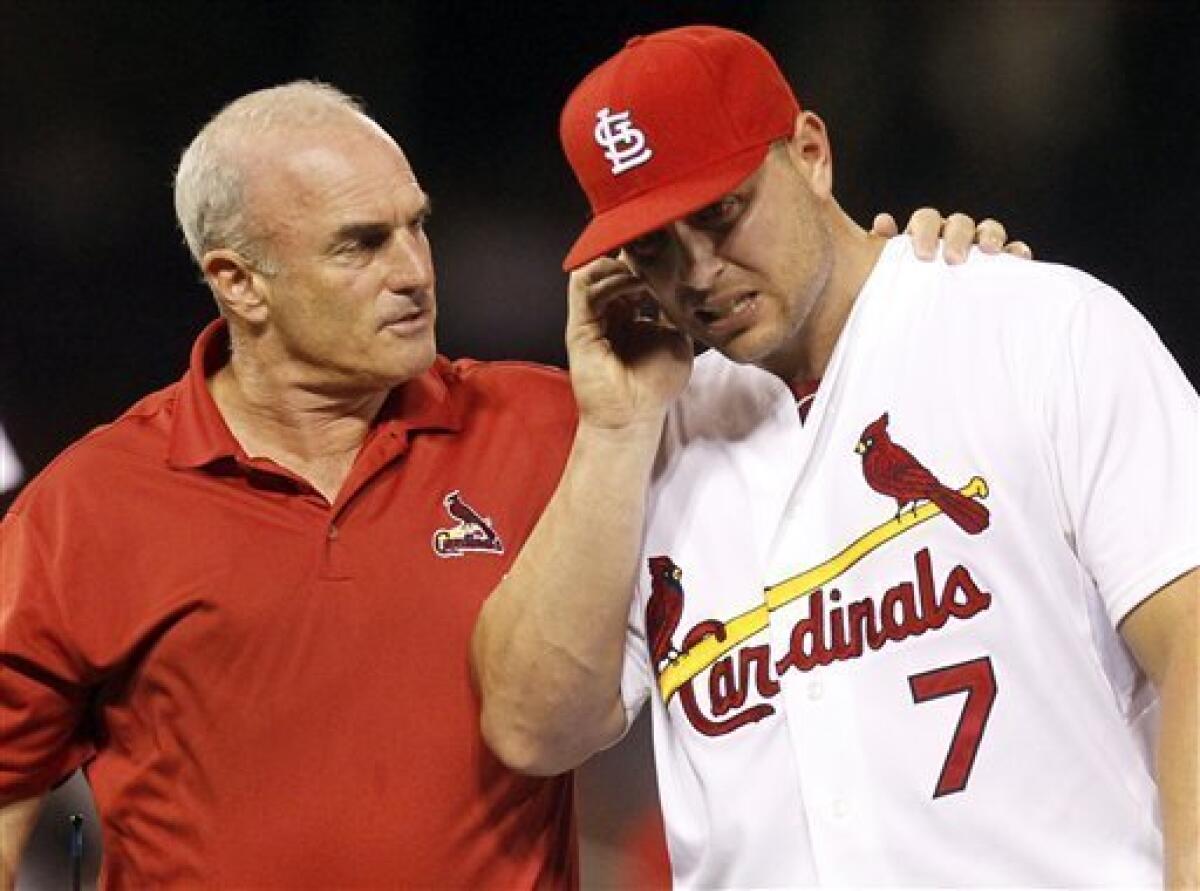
244	607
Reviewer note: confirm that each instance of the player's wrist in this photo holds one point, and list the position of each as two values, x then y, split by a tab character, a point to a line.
631	431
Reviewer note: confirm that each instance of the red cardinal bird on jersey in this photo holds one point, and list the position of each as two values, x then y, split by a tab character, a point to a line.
664	608
892	471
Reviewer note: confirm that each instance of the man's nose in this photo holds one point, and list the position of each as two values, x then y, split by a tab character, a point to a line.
410	266
699	262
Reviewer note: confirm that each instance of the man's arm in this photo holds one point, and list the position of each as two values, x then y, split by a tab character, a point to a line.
1163	632
16	822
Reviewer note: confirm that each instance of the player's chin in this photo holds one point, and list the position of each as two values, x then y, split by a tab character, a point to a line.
747	347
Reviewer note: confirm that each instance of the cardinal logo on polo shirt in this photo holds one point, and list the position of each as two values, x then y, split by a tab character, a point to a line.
624	144
473	531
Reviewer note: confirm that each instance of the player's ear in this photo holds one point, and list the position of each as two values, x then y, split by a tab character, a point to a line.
810	152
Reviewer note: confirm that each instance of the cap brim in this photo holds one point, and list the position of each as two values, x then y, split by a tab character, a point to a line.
656	208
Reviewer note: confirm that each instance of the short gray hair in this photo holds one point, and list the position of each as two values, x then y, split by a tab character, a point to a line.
210	180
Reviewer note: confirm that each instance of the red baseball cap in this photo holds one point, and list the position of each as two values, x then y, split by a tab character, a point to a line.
668	125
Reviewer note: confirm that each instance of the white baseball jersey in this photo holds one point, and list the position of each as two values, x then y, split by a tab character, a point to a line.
881	647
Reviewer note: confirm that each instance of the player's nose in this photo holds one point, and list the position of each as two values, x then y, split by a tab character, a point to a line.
699	263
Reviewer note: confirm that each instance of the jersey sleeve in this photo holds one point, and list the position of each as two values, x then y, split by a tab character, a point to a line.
43	697
1125	426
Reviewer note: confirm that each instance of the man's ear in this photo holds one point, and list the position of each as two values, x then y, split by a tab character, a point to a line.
810	151
238	287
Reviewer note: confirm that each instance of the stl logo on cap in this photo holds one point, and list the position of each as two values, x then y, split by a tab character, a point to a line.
624	144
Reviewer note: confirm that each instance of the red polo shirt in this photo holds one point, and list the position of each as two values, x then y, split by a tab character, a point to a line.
266	690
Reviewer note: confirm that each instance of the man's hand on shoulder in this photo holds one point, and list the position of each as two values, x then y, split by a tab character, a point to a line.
958	231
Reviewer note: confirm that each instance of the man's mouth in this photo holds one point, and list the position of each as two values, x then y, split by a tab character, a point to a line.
407	322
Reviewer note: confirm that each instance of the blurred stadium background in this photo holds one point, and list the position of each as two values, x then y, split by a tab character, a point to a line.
1073	121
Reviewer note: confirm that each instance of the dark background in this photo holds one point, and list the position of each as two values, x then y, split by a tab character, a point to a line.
1075	123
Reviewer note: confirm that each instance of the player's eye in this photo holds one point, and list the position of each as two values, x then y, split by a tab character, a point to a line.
720	213
646	248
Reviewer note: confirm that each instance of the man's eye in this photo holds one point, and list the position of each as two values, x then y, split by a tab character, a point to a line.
365	245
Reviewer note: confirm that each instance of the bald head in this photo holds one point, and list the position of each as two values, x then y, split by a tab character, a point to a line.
212	181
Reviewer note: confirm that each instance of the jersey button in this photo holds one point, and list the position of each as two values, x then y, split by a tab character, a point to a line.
815	690
840	809
332	534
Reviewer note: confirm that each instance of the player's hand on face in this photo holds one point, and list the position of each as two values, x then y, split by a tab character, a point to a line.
958	231
627	362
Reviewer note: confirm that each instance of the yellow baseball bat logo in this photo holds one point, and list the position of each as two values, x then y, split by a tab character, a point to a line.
741	628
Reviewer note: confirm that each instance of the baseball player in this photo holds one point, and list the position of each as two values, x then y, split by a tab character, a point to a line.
912	549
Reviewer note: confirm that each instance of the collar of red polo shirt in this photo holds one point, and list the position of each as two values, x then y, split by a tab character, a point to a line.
199	434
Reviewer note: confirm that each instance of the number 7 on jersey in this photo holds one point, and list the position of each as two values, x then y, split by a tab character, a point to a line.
978	681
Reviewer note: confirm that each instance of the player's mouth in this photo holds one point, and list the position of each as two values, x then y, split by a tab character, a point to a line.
724	316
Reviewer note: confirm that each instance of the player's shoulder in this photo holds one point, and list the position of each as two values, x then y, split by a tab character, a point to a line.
136	439
1002	278
712	370
727	397
1046	300
998	288
1056	278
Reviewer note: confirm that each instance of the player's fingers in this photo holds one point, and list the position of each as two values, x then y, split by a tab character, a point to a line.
957	237
924	227
1019	249
990	235
885	225
618	288
592	285
612	304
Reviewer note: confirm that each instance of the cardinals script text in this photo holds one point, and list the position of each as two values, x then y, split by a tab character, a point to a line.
833	631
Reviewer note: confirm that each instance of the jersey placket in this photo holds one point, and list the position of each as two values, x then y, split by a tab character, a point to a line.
820	703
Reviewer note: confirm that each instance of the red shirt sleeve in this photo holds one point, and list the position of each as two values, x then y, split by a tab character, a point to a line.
43	696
